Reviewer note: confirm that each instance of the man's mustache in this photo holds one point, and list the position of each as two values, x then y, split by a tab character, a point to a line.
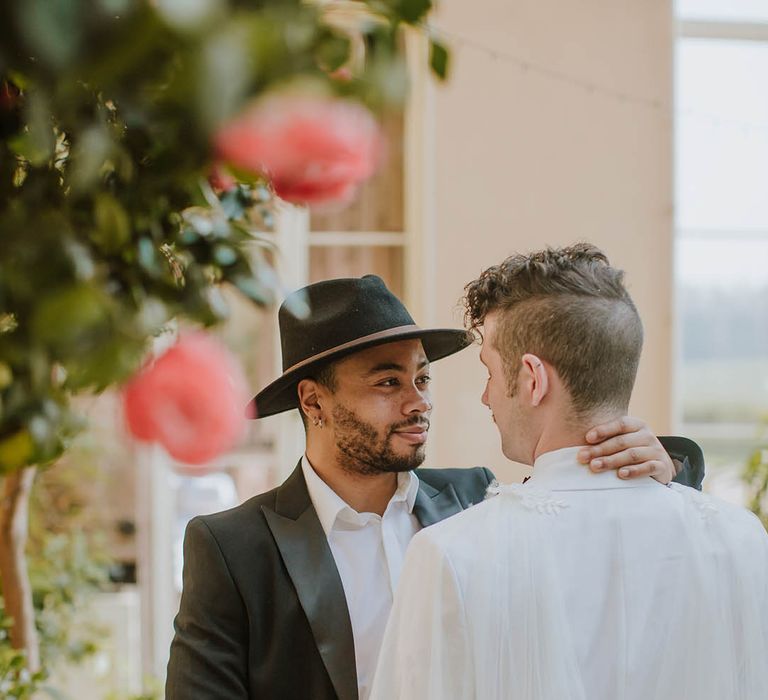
417	421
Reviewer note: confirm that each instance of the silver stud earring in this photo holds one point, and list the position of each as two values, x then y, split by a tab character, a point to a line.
317	422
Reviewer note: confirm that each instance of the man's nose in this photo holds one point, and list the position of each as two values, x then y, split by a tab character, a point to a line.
484	397
418	401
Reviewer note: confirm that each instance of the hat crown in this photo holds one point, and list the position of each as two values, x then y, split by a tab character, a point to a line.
340	311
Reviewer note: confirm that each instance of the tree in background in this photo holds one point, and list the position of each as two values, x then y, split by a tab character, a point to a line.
142	143
756	477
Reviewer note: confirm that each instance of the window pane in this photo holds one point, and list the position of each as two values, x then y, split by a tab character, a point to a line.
722	134
721	253
733	10
723	298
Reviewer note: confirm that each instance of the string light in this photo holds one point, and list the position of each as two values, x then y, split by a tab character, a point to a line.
657	105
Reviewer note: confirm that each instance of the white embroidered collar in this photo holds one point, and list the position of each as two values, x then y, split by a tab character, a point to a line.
559	470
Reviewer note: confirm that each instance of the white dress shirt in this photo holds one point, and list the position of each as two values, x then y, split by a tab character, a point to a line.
582	586
369	551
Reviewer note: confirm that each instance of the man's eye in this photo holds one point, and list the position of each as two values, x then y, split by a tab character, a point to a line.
388	382
426	379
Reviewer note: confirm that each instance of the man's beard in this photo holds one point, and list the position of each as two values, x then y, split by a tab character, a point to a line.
363	451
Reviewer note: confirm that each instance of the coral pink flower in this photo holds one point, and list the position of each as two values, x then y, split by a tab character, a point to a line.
316	150
190	400
220	180
343	74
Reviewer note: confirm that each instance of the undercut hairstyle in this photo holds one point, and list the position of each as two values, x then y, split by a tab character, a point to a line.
567	306
325	375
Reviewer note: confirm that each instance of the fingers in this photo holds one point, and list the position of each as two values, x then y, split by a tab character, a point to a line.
661	470
623	425
637	462
627	445
632	457
620	443
655	468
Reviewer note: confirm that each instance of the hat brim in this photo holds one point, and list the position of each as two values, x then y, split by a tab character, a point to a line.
280	395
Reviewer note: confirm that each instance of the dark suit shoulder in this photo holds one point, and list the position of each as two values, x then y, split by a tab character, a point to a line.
690	456
232	523
470	484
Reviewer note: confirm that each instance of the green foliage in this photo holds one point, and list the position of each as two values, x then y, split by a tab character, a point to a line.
153	690
15	679
108	227
64	575
756	477
438	59
68	563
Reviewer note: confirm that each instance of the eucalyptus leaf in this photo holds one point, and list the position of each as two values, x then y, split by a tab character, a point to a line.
16	451
333	52
37	142
109	362
189	15
53	28
298	305
66	318
226	52
6	375
81	259
224	255
412	11
234	203
113	226
438	59
252	289
148	258
89	154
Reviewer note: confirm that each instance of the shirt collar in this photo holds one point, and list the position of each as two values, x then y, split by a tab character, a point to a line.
560	470
328	504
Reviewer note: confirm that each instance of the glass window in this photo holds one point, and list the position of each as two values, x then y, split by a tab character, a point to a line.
728	10
722	242
722	134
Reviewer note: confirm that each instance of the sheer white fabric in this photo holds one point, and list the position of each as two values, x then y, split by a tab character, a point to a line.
586	590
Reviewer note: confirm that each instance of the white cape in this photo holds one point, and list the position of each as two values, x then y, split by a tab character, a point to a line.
483	608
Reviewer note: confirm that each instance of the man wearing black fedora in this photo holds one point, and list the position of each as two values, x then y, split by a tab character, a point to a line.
286	596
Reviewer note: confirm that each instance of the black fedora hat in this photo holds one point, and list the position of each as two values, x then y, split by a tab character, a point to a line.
344	316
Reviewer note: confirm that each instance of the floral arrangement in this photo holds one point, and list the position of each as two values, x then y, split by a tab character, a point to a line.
142	146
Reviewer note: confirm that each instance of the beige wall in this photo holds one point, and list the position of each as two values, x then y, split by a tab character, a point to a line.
513	160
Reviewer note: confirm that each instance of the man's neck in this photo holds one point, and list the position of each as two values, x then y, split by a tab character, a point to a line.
365	493
569	433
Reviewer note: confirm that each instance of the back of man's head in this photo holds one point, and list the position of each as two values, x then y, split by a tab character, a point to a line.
569	307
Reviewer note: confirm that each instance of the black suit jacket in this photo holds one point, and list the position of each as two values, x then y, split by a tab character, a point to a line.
263	612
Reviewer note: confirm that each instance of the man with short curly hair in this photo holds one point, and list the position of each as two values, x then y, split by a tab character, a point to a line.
576	585
567	307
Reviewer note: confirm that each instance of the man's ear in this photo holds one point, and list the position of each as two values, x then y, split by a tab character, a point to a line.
535	377
309	399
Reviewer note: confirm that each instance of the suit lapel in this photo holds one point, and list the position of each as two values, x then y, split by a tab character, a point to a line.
310	564
432	506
